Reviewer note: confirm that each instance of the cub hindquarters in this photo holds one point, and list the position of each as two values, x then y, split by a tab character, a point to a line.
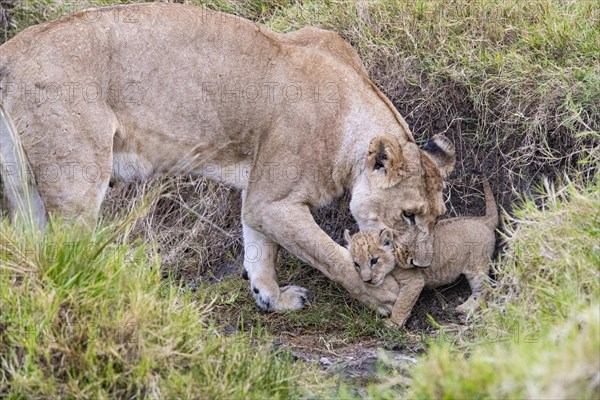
462	246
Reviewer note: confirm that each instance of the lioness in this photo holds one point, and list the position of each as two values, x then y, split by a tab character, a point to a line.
462	246
290	119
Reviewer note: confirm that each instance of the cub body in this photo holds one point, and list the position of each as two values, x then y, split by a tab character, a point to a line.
462	246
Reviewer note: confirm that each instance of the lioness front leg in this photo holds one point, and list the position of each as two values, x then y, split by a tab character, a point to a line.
260	257
292	226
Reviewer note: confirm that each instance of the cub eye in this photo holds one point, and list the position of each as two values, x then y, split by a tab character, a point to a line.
356	265
374	261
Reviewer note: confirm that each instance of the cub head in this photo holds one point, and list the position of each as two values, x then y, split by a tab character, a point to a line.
400	187
373	254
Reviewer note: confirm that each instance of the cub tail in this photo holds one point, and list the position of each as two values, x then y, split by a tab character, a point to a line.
17	176
491	209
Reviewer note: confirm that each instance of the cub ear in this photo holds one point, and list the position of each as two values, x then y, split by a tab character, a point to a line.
347	236
385	237
442	153
385	160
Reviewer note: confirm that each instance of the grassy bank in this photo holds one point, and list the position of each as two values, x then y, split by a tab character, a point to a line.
88	316
540	336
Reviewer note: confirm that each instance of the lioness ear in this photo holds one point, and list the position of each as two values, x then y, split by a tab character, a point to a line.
384	161
347	236
385	237
442	153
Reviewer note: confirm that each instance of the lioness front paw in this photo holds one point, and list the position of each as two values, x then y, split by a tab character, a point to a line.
292	298
280	299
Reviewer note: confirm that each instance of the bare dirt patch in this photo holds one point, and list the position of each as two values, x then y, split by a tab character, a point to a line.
359	363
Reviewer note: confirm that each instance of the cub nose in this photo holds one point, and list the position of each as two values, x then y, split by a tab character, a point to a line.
369	281
419	264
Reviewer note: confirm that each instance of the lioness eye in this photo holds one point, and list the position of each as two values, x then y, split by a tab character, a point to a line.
356	265
409	216
374	261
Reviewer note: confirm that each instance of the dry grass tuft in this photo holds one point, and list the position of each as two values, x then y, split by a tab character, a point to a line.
194	223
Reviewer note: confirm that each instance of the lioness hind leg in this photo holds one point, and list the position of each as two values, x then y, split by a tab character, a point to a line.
70	151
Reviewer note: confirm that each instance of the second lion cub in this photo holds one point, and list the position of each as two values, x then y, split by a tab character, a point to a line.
462	246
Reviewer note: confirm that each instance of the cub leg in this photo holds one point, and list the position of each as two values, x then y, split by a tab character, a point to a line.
477	284
411	283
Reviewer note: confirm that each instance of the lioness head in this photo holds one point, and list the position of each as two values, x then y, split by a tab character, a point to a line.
401	188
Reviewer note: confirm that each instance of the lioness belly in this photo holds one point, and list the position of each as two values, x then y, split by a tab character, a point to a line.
134	160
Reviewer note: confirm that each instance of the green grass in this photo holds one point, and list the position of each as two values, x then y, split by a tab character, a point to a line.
85	316
560	363
88	315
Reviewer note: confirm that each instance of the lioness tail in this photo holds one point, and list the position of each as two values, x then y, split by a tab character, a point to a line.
17	176
491	210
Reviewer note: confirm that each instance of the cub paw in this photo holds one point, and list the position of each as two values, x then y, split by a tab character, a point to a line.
468	307
390	323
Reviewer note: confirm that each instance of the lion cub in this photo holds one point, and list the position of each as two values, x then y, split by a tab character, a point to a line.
462	246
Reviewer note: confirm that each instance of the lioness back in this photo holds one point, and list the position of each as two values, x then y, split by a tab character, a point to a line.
163	88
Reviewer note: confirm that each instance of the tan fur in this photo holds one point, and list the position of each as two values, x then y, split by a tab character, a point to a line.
462	246
290	119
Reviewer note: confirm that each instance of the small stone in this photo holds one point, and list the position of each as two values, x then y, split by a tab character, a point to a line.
325	361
